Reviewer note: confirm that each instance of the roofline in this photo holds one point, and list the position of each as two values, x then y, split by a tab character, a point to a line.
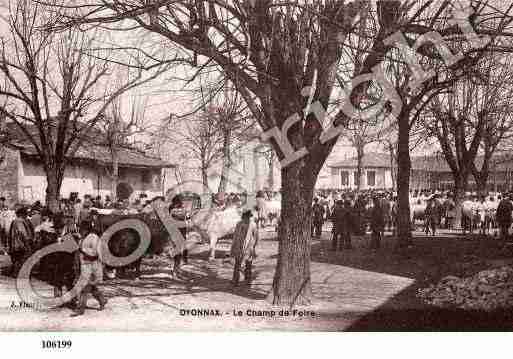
104	163
363	166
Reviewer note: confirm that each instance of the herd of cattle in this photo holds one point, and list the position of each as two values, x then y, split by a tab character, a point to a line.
213	224
210	225
475	214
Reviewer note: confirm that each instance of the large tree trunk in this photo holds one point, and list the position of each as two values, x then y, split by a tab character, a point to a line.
482	183
393	172
256	180
54	177
227	162
270	180
481	177
403	184
460	186
292	283
359	164
115	174
204	176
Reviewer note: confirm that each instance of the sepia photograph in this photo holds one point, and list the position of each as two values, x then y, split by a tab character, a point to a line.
255	165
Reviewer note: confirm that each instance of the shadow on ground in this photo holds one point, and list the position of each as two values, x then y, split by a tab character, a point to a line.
429	259
198	276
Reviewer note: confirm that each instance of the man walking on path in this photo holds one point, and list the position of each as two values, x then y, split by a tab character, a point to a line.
91	268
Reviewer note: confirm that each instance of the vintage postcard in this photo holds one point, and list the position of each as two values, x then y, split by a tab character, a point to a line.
255	165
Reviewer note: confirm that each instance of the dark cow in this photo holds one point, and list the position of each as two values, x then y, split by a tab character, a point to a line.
125	241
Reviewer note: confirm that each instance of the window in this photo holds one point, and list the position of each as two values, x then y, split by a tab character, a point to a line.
27	195
371	178
344	178
356	180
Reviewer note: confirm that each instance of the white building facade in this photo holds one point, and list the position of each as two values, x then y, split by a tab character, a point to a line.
376	173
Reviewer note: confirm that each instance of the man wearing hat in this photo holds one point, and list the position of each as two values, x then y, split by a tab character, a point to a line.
21	239
245	239
91	268
35	214
342	225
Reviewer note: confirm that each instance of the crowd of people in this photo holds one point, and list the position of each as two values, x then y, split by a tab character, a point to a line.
36	226
356	212
351	213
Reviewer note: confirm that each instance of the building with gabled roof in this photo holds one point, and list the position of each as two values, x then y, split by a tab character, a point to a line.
376	172
427	172
22	178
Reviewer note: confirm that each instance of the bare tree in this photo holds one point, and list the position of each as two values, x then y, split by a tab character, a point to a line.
388	141
495	104
55	91
227	127
269	155
199	137
359	140
272	51
359	131
116	130
405	69
472	119
234	124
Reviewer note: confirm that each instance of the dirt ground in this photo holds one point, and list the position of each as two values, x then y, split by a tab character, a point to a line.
359	290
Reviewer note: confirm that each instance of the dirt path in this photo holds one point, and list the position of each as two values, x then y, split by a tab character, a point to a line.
353	290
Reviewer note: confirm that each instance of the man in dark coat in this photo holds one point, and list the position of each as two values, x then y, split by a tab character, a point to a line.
342	225
318	218
503	216
346	225
21	240
377	223
359	211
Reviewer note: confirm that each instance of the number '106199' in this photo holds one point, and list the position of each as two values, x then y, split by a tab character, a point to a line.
56	344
